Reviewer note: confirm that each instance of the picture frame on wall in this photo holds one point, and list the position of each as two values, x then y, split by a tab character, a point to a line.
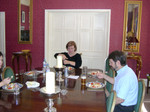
23	16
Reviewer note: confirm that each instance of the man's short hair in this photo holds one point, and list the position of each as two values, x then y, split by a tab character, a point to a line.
118	56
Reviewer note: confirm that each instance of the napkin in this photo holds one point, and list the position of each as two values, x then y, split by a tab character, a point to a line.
32	84
73	77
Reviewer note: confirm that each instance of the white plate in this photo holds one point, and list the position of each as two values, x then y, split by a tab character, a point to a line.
30	73
43	90
70	68
95	85
11	87
92	73
32	84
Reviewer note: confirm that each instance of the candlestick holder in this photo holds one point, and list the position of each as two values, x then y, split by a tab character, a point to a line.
59	71
50	107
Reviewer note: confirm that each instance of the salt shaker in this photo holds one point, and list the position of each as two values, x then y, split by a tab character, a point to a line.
66	72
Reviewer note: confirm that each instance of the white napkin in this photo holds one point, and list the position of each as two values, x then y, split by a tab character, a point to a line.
32	84
73	77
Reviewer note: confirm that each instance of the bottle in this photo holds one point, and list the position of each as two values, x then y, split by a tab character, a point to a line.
44	67
66	72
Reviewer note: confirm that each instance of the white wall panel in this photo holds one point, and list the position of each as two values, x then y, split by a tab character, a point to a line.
88	28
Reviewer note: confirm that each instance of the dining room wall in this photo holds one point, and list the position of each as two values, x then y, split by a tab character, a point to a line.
39	6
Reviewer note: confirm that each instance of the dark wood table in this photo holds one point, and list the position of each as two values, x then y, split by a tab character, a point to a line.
78	98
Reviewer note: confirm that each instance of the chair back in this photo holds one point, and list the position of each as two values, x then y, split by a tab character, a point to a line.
107	66
111	101
8	72
141	94
109	86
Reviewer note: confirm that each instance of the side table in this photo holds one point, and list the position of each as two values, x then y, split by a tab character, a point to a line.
25	55
138	59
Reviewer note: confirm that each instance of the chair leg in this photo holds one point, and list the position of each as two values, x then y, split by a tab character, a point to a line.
147	85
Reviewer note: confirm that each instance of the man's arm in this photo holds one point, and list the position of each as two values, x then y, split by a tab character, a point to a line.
106	77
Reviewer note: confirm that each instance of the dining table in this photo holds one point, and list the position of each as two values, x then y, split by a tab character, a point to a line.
79	98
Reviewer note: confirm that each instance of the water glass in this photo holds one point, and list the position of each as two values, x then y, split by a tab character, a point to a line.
16	90
84	70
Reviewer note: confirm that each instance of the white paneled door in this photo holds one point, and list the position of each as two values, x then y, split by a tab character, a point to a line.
2	34
88	28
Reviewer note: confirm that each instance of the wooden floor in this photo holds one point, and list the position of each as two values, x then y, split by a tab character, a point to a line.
146	106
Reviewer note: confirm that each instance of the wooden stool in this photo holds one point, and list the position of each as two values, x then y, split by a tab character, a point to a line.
26	55
148	79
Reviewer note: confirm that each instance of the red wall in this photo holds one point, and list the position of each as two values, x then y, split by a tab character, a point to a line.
39	6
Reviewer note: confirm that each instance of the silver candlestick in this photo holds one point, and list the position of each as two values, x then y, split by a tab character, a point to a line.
59	71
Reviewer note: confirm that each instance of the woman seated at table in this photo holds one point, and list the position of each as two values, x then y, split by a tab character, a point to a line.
71	58
6	80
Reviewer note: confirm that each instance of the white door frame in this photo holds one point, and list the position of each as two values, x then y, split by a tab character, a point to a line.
2	36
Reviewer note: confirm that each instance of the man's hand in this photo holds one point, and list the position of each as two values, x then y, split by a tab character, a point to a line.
100	75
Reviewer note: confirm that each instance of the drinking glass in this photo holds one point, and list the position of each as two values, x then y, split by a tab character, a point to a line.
84	70
16	90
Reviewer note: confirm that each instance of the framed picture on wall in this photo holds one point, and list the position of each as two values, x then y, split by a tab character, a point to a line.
23	16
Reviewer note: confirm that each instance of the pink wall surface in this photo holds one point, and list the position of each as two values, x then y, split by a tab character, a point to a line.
39	6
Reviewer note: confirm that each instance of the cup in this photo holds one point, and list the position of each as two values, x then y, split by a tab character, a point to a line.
84	70
83	79
16	90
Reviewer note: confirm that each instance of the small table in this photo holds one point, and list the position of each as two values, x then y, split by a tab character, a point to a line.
17	55
138	59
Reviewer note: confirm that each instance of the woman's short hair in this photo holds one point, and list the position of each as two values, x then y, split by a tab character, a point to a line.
71	43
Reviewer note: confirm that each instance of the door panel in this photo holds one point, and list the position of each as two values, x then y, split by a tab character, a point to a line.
88	28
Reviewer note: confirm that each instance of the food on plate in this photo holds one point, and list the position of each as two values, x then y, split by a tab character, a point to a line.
30	73
70	68
93	73
11	86
95	85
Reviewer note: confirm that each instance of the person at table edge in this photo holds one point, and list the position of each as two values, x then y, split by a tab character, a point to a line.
125	83
6	80
71	58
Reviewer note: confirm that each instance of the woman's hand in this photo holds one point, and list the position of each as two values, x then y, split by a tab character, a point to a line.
63	56
6	81
66	62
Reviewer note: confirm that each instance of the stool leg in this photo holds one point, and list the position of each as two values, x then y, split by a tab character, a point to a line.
147	85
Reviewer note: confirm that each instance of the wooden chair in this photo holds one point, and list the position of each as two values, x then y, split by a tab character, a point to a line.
148	79
141	94
8	72
110	103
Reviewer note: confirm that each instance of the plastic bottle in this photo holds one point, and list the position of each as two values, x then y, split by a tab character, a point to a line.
44	67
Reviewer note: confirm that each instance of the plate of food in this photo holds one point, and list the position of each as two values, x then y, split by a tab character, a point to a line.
92	73
30	73
11	87
70	68
95	85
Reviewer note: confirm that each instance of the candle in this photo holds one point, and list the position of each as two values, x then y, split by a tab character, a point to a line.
59	62
50	82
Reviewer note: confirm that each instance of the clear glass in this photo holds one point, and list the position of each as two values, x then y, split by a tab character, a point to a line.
84	70
83	79
16	90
